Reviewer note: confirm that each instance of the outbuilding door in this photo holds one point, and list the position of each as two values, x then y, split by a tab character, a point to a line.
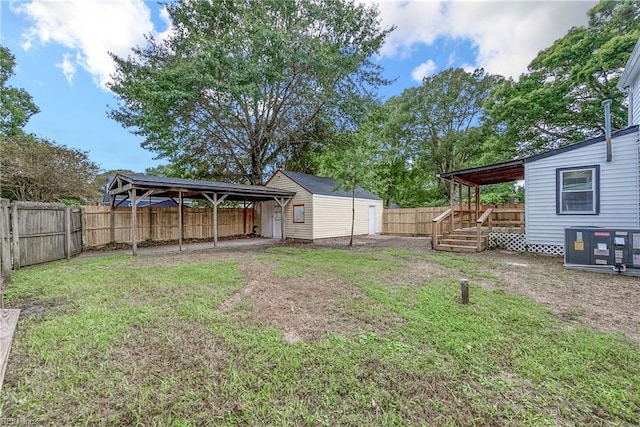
277	222
372	220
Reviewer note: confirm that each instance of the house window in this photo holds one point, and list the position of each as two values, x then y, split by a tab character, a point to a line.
298	213
577	190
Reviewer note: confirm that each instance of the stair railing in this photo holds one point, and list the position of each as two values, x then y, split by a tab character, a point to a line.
435	227
485	217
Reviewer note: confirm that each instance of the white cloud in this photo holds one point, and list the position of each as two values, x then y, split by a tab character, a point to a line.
507	34
90	29
423	70
67	67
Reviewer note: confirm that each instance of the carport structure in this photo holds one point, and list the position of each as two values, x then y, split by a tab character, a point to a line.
136	187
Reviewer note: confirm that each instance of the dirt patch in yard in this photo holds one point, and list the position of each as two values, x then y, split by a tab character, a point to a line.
605	302
310	307
33	307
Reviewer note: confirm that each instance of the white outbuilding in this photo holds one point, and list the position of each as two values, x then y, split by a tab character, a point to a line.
321	208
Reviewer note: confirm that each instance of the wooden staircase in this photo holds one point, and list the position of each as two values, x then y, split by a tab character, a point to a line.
463	240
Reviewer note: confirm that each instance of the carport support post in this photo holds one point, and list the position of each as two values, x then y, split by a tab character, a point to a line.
215	202
180	220
244	216
282	221
215	219
134	222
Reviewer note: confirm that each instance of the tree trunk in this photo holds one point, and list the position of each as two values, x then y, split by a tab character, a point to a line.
256	171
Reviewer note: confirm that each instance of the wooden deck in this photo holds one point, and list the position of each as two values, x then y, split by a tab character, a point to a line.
464	230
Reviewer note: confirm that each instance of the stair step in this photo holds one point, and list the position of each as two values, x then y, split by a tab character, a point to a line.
458	248
469	232
462	236
459	242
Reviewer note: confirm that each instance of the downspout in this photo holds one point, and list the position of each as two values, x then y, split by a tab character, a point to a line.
607	126
627	91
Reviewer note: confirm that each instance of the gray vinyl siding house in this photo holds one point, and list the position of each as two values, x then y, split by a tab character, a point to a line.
630	83
320	209
615	184
615	187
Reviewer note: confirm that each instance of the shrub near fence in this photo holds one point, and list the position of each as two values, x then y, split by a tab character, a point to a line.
161	223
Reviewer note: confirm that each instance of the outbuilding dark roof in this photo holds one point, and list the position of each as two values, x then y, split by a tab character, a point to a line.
192	188
326	186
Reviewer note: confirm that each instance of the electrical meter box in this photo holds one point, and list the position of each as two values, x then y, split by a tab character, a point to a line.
597	248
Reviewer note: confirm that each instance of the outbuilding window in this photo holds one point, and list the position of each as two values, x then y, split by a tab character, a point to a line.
577	190
298	213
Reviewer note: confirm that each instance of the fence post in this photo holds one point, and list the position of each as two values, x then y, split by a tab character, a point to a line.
15	235
5	243
464	289
67	232
83	228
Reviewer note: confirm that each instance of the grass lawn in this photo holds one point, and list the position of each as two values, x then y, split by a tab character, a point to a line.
379	338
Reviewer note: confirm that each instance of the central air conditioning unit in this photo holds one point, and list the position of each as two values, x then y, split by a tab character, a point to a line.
603	249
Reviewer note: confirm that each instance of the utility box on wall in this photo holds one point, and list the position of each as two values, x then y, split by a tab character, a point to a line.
603	249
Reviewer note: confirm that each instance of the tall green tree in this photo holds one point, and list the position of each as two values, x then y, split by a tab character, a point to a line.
16	105
444	121
558	101
392	174
39	170
238	86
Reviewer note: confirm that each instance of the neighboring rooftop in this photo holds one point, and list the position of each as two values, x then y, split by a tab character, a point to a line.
326	186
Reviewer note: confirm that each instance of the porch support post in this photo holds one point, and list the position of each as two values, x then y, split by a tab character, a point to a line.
452	193
469	205
477	202
460	203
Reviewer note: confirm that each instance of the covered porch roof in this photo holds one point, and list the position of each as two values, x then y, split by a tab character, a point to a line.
496	173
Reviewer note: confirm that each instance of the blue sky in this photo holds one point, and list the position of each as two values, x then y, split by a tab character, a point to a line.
60	48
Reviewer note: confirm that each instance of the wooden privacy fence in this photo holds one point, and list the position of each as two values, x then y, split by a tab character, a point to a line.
33	233
161	223
418	221
410	222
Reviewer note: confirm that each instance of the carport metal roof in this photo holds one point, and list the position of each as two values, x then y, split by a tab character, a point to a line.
191	188
136	187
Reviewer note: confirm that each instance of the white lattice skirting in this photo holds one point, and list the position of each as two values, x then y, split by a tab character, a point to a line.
517	242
